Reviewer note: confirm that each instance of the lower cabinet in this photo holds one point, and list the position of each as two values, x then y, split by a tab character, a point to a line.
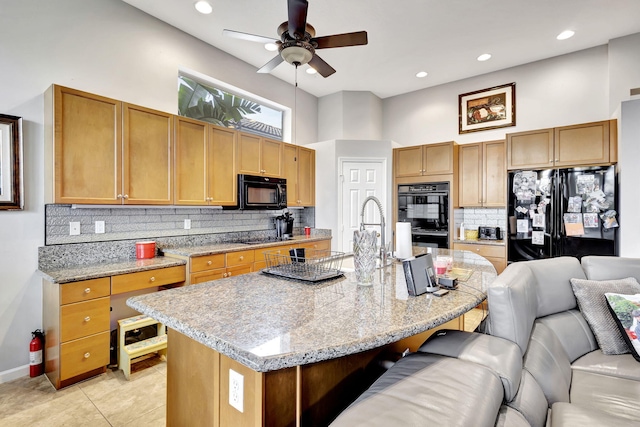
495	254
76	318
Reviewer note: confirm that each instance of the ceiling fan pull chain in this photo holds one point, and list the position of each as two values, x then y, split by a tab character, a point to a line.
295	107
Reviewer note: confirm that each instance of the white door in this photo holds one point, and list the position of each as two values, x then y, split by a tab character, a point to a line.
360	178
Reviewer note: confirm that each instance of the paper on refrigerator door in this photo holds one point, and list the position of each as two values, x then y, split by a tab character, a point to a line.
537	237
522	226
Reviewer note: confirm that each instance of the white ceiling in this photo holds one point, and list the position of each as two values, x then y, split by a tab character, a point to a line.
442	37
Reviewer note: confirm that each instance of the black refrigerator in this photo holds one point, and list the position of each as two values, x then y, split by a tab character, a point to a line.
558	212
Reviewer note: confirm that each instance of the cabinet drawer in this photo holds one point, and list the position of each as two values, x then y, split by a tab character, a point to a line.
83	355
239	258
281	250
147	279
205	276
320	245
207	262
239	270
482	250
84	290
81	319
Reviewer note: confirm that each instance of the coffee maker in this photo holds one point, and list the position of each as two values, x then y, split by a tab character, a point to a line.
284	226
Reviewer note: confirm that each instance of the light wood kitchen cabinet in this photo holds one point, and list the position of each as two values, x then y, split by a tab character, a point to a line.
103	151
218	266
76	320
578	145
430	159
495	254
482	175
299	169
259	156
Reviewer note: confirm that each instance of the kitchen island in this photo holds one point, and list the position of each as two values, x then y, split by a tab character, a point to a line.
291	353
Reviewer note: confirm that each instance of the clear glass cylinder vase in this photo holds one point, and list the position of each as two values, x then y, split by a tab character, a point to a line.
364	255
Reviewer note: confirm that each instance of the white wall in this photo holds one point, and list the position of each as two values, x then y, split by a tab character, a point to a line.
628	178
109	48
624	69
353	115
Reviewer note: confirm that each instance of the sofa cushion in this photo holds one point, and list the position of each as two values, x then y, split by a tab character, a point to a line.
509	417
615	396
549	364
500	355
593	305
625	310
513	305
424	389
573	332
610	267
553	287
569	415
530	401
621	365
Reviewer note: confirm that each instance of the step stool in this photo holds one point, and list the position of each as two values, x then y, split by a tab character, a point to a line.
126	353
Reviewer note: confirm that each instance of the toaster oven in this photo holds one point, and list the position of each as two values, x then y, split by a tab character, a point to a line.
489	233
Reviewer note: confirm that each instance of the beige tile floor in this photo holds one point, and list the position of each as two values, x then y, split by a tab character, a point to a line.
106	400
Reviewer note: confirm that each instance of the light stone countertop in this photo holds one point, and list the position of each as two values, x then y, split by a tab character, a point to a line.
481	242
268	323
216	248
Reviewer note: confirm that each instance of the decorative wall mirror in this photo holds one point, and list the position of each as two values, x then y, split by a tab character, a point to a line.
11	186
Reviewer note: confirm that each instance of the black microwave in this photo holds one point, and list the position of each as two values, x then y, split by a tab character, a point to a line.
261	192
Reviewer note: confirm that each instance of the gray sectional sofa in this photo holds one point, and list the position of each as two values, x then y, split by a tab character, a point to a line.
538	364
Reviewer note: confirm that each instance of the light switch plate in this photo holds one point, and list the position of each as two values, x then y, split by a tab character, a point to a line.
187	224
74	228
236	390
99	227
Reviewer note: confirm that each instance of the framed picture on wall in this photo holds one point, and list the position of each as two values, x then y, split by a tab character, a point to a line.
489	108
11	189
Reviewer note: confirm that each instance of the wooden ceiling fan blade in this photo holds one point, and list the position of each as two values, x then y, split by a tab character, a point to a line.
269	66
248	37
357	38
297	22
318	64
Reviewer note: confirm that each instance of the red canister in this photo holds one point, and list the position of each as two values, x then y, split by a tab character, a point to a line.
145	249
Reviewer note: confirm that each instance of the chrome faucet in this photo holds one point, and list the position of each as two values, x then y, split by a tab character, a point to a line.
383	250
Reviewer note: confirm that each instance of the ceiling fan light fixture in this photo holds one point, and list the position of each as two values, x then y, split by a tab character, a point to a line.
271	47
311	70
203	7
484	57
566	34
296	55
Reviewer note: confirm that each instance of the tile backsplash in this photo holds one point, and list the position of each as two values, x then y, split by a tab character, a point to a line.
153	222
476	217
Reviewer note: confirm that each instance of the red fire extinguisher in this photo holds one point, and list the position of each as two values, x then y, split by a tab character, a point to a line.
35	353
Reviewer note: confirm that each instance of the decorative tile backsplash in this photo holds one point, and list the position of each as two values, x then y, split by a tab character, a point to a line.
151	222
476	217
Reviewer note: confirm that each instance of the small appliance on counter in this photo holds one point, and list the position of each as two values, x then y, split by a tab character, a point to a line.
284	226
489	233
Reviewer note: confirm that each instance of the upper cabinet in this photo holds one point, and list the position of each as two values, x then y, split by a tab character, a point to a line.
482	175
102	151
300	173
259	156
578	145
431	159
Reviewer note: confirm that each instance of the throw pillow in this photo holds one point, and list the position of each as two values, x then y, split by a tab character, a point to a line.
625	310
594	308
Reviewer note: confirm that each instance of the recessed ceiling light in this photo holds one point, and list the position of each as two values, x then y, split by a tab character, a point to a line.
203	7
484	57
311	70
421	74
566	34
271	47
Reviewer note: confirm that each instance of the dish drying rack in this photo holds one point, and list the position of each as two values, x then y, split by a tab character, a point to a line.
309	265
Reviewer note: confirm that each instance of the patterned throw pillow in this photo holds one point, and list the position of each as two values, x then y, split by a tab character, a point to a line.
625	310
594	308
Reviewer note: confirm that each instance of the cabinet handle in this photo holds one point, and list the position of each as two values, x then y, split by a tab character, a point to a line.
86	319
557	160
550	160
87	355
224	275
87	290
229	274
209	262
126	196
152	279
241	257
119	196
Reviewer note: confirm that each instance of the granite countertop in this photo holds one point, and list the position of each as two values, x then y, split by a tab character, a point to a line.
268	323
94	271
481	242
215	248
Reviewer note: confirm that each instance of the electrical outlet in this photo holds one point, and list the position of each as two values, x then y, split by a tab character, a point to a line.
236	390
187	224
99	227
74	228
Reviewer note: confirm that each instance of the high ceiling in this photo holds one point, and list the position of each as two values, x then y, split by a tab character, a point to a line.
442	37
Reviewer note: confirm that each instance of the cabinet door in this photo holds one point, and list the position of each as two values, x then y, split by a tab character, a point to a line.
290	163
222	182
584	144
249	154
271	157
87	147
306	177
470	175
147	159
408	161
437	159
191	162
530	150
495	174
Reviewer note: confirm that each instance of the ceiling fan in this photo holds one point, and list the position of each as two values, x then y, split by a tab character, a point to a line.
298	43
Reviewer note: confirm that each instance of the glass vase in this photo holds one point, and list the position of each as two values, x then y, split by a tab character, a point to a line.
364	255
